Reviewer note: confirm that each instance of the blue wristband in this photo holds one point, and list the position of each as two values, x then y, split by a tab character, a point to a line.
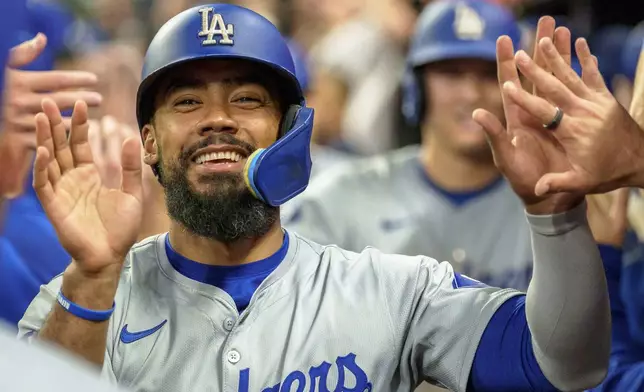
81	312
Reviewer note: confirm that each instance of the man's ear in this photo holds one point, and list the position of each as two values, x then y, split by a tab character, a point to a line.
151	150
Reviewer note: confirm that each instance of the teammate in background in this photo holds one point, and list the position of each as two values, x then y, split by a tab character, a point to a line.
445	198
22	222
25	368
228	300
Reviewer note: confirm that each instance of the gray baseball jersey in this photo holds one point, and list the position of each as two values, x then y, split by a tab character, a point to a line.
325	158
325	319
43	367
387	202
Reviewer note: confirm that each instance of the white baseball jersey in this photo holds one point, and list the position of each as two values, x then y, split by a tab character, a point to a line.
389	203
324	320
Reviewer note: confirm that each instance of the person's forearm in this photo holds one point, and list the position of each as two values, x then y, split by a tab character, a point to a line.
82	337
567	301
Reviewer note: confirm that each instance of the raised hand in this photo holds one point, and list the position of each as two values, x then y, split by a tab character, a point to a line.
602	144
24	90
95	224
523	150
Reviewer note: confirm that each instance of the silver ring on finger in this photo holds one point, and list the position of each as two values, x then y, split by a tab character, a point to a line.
556	120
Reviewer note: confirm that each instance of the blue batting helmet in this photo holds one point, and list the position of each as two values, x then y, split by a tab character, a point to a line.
225	31
449	30
215	31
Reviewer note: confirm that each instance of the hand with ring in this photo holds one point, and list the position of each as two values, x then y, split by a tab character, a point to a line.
602	144
523	150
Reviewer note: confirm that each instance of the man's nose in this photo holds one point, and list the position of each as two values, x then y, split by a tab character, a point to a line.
217	120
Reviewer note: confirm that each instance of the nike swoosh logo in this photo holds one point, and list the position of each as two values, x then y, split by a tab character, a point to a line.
131	337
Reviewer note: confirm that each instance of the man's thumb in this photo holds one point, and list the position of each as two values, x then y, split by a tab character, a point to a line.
495	132
552	183
27	52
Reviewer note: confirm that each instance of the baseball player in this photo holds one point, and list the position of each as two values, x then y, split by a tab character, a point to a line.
228	300
25	368
445	198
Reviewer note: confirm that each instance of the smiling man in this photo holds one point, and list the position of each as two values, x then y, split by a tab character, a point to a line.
219	206
230	301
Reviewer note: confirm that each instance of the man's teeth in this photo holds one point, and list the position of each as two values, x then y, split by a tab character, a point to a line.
217	156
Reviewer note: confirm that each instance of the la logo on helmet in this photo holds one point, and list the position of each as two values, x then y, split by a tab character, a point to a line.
215	26
468	24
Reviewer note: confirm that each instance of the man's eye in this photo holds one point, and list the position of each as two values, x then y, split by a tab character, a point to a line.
187	102
247	100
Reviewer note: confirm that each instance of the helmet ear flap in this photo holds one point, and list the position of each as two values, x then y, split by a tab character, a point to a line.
288	119
413	97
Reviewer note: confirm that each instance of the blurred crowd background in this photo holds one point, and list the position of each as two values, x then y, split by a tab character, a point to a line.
356	97
350	56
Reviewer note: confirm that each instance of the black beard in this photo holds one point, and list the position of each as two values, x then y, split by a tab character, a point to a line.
227	212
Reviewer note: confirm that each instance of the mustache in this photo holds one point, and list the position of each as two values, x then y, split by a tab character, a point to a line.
213	140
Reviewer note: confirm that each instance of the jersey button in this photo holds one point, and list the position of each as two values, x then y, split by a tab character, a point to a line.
233	356
229	324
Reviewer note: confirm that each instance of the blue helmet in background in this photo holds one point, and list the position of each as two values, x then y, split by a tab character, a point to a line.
449	30
224	31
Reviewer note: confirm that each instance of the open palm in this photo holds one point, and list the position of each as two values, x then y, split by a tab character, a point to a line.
523	150
96	225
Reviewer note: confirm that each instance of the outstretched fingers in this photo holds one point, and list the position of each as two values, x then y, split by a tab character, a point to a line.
62	152
132	174
562	69
590	67
536	106
551	87
545	28
41	183
496	134
45	140
506	67
81	149
562	41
